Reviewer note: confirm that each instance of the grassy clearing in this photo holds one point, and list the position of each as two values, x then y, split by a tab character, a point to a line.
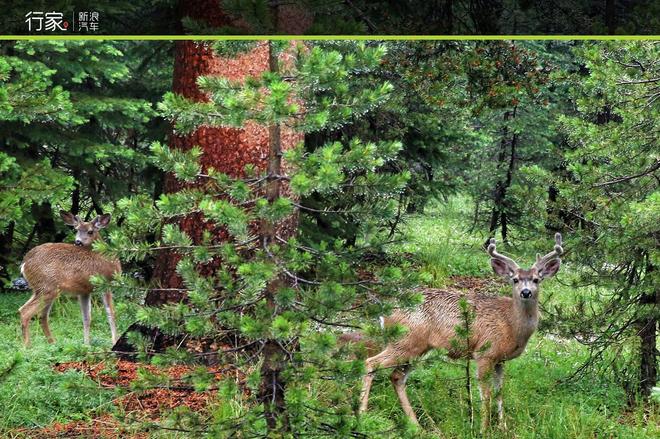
537	404
32	394
441	242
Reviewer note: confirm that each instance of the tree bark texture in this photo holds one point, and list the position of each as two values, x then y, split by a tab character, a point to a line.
228	150
273	386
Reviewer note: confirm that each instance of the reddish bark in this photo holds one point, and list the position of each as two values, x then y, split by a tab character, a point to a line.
228	150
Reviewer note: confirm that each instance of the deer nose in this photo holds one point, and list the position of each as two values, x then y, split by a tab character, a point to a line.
525	294
78	242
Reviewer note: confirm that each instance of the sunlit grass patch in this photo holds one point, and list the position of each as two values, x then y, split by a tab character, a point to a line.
443	243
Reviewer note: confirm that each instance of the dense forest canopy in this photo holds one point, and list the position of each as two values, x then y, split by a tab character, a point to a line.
351	141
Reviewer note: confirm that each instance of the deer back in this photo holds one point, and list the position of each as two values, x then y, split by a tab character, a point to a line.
496	330
65	267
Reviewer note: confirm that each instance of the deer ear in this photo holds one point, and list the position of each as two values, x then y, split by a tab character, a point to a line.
550	269
69	218
499	267
102	221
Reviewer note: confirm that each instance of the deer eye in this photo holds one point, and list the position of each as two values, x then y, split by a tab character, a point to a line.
515	280
536	280
91	232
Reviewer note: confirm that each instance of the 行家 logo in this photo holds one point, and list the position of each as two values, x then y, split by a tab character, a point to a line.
81	21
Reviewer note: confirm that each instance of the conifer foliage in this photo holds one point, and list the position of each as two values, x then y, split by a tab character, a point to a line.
612	197
279	292
76	121
265	248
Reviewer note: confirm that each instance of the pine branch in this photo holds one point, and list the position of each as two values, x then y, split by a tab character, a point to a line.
654	167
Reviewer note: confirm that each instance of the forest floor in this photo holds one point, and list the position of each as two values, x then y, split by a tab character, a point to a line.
70	390
132	405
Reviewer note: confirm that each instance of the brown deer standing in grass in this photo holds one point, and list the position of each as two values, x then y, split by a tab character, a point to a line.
500	330
53	268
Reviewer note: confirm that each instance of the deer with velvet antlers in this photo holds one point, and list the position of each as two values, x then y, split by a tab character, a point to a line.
500	330
54	268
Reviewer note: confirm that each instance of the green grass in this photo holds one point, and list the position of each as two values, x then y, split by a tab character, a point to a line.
537	403
32	394
440	240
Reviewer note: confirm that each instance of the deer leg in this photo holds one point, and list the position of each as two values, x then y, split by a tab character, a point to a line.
110	311
366	387
27	311
86	310
43	319
372	363
484	375
399	377
498	382
388	358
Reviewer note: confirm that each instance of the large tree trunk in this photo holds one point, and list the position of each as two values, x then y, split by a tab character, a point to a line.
228	150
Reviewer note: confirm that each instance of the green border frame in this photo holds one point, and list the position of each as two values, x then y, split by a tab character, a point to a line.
330	37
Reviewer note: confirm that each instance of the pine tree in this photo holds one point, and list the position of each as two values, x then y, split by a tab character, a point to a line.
76	123
514	102
279	292
611	188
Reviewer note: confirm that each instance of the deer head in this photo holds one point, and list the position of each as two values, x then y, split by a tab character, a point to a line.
526	282
86	232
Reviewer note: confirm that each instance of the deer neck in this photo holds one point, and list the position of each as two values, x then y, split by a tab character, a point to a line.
525	319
